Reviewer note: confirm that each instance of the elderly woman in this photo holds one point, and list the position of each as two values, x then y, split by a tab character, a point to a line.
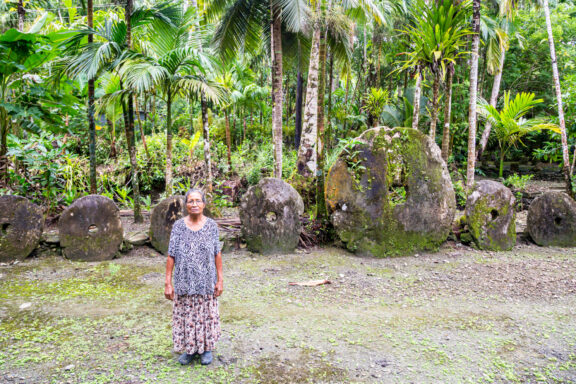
194	256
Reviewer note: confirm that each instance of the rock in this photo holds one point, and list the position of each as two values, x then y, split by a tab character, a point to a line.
229	241
552	220
51	237
90	229
490	216
21	224
233	187
136	237
270	216
161	220
390	193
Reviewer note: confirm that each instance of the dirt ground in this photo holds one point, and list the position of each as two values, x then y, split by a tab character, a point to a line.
456	316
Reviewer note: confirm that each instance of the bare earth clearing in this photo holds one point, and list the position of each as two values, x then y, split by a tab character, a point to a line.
456	316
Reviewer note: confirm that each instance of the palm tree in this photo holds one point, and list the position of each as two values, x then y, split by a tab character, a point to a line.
172	63
435	37
241	28
227	83
91	123
108	53
332	25
473	95
498	45
509	124
565	155
374	103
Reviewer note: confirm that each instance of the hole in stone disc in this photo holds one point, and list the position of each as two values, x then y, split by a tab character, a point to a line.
494	214
4	229
92	229
271	217
558	220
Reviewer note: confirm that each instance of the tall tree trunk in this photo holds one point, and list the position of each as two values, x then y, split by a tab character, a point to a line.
153	111
299	94
434	121
298	114
228	141
561	121
191	112
112	129
473	95
493	101
168	187
4	126
447	113
306	163
417	90
91	123
328	141
141	128
573	163
130	141
206	137
276	45
21	14
321	212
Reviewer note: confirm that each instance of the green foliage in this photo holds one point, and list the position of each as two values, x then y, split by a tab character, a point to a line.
255	162
460	192
45	169
374	102
509	125
436	35
518	182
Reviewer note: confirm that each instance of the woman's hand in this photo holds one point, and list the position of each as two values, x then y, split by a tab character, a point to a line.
169	292
219	288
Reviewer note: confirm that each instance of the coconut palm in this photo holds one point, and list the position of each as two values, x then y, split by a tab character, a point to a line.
332	26
562	123
509	124
173	64
473	94
241	29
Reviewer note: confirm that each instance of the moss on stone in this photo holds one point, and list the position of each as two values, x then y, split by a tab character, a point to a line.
373	197
485	229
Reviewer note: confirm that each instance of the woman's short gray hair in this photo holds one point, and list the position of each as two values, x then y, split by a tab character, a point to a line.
195	190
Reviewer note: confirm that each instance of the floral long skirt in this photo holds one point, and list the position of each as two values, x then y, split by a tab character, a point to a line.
195	323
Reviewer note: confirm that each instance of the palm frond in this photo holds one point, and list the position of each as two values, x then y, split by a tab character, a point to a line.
295	14
196	85
240	29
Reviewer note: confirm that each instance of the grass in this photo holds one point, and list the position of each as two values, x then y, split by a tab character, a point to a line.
381	320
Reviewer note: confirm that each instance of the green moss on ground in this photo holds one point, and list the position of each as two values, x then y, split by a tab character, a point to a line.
426	319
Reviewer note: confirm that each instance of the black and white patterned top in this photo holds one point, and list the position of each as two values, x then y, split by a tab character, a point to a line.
194	253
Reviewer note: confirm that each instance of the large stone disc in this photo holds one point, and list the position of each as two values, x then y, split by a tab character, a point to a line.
91	229
21	224
552	220
163	216
389	193
270	216
491	217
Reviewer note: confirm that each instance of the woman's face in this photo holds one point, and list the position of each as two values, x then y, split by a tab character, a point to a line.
195	205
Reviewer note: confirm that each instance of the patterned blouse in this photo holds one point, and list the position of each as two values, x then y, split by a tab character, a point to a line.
194	253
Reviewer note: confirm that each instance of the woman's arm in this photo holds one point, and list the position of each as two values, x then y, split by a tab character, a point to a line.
220	281
168	287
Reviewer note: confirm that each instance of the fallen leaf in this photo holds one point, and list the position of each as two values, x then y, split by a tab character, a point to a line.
311	283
